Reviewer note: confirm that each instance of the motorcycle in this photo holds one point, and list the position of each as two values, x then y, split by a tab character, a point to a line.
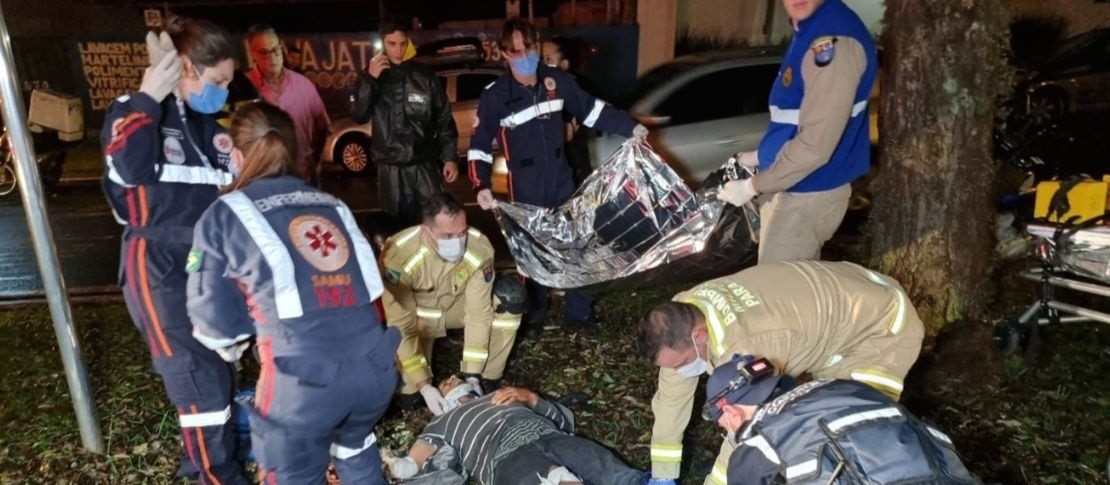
50	157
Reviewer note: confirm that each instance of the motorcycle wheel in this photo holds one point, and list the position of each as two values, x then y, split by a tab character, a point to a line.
7	180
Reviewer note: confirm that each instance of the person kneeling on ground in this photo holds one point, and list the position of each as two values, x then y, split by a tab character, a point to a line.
824	431
513	437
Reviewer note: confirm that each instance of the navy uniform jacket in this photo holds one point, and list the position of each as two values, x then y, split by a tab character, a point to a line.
287	261
803	435
165	164
528	123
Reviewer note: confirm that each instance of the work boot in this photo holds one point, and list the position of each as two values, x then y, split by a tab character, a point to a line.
490	385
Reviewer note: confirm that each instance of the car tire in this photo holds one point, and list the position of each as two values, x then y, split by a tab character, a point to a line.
1047	106
353	152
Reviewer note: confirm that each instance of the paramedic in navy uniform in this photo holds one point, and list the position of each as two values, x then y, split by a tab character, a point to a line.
166	158
523	109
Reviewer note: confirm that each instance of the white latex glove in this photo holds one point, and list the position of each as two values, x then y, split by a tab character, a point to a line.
403	468
747	159
160	80
233	352
486	200
433	399
738	192
640	133
475	384
157	46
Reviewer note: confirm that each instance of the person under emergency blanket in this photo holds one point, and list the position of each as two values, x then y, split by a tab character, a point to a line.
513	437
831	320
817	142
415	142
439	275
166	158
824	431
282	260
523	109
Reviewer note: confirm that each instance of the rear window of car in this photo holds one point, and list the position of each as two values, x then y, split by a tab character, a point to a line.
726	93
470	85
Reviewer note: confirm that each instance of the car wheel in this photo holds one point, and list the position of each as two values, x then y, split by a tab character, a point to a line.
1046	106
7	179
354	153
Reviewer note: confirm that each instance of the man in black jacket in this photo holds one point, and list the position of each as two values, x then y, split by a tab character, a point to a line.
414	142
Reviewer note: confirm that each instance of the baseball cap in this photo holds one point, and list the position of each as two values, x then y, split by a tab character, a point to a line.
742	380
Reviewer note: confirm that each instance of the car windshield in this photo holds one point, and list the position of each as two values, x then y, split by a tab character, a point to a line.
655	78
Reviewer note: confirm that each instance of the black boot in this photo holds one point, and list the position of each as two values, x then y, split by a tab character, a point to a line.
490	385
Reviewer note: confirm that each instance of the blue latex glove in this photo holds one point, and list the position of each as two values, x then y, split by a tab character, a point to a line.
648	480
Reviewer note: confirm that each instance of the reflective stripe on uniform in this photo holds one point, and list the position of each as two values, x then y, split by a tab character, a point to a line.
899	322
507	323
791	116
429	313
666	453
181	174
287	295
761	444
473	232
414	363
473	154
853	419
530	113
415	260
475	354
200	420
342	452
472	259
367	263
800	470
833	360
405	236
719	475
595	113
879	380
713	322
113	174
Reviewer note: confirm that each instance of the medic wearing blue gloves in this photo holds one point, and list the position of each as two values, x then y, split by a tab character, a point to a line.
166	158
284	261
524	110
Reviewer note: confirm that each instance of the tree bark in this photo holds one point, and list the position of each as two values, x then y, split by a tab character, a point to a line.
945	68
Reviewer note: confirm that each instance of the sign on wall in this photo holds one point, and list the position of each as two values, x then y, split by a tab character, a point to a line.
110	69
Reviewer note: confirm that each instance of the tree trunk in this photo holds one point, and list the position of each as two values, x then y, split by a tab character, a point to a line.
945	67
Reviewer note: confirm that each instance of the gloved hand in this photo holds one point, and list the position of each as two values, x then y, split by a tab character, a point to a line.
747	159
738	192
640	133
486	200
160	80
157	46
403	468
433	399
233	352
475	383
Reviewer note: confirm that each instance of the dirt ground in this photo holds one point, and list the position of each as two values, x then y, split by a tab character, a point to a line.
1044	423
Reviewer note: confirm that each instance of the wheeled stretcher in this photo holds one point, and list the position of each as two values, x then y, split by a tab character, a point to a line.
1073	256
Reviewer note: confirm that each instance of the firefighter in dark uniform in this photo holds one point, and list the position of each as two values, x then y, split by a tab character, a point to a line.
821	432
523	110
284	261
166	158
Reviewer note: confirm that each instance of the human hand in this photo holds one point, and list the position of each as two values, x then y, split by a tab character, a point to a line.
450	171
157	46
160	80
509	395
377	65
435	401
640	133
486	200
738	192
746	159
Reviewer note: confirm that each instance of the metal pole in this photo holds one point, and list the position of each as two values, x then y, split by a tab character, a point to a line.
31	189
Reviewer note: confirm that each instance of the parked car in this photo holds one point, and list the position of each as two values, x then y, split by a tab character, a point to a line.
1076	80
462	77
703	108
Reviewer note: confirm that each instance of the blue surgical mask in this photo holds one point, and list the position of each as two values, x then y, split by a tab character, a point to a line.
527	65
696	367
210	100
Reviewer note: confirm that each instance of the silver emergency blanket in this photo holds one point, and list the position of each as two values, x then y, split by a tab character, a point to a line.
632	222
1084	252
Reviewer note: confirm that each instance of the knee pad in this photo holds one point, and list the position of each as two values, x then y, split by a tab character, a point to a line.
509	295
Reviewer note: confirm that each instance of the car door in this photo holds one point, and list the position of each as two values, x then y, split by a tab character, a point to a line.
711	117
468	89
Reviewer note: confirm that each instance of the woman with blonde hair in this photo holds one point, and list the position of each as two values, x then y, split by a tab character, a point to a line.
283	261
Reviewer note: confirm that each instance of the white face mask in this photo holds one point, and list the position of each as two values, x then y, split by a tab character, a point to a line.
454	397
451	249
695	368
